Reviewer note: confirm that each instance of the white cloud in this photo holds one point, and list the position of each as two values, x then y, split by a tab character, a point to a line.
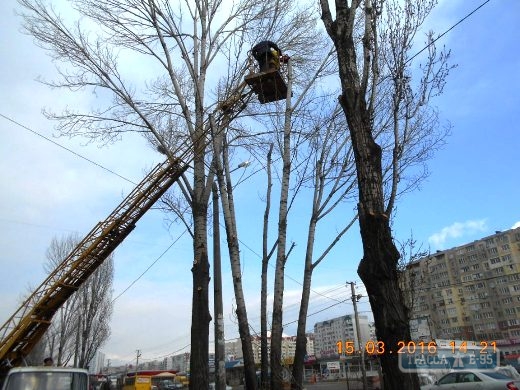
516	225
457	230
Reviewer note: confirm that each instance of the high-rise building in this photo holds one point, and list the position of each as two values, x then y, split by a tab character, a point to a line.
234	348
328	333
471	292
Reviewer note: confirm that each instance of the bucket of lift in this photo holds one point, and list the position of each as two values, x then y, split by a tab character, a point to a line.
268	82
268	85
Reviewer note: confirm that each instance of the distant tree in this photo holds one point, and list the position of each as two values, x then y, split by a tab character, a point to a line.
411	279
94	313
37	354
384	106
60	337
82	324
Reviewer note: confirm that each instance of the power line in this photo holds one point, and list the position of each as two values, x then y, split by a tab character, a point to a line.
65	148
130	181
448	30
126	179
150	266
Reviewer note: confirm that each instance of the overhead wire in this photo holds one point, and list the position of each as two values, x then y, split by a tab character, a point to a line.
448	30
132	182
65	148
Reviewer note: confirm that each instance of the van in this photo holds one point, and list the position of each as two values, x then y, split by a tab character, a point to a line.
46	378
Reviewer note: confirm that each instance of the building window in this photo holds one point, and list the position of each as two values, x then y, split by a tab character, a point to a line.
490	242
498	271
495	260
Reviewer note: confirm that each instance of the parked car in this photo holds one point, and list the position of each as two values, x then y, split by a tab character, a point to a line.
473	379
426	379
509	371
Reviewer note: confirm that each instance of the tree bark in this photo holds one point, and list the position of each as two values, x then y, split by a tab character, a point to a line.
200	316
281	256
264	358
378	268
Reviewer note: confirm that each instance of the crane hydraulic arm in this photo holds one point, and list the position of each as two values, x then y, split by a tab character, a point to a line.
27	325
24	329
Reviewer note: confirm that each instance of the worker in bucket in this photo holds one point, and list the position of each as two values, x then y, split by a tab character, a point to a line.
268	55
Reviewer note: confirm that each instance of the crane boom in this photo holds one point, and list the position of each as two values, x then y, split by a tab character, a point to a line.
23	330
27	325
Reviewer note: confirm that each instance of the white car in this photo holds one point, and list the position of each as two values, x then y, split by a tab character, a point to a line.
472	380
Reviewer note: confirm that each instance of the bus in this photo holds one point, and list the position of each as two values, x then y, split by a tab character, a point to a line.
153	380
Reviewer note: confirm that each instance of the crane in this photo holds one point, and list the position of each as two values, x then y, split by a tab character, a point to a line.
25	327
21	332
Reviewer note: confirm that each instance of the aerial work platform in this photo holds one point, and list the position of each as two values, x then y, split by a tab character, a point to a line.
267	81
268	85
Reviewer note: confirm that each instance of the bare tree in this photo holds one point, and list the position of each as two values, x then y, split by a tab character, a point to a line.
372	40
410	279
266	255
82	324
179	43
60	335
94	311
332	181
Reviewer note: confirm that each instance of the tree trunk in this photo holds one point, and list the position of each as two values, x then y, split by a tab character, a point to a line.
378	268
223	175
236	271
200	316
277	326
264	358
301	337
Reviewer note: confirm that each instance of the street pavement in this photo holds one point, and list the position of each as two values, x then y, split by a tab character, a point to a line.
333	385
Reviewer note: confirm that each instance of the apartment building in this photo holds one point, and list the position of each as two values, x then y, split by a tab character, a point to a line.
341	329
234	348
471	292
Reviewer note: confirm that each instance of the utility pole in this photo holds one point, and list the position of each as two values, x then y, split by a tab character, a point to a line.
220	364
137	360
355	299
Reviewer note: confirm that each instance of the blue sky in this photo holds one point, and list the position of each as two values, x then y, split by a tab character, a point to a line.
472	189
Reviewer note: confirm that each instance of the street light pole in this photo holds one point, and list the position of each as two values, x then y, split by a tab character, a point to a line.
220	365
355	298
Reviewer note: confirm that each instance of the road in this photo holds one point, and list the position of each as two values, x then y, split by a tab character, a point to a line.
337	385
